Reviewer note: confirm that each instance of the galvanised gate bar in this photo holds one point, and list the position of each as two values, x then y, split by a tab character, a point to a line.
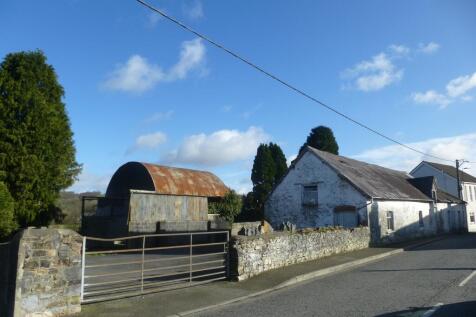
141	264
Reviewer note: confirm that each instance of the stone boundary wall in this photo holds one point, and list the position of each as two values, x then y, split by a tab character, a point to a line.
44	273
256	254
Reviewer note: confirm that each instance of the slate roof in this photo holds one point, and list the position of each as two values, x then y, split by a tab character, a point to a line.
426	185
444	197
372	180
451	171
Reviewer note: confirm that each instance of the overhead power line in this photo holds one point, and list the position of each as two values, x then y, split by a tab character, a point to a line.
288	85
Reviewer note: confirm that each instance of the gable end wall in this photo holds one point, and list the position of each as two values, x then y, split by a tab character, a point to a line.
285	204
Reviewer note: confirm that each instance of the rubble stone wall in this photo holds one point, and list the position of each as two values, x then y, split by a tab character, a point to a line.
48	277
253	255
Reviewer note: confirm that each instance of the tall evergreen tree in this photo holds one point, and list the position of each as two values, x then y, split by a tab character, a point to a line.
262	174
321	138
37	153
280	163
268	168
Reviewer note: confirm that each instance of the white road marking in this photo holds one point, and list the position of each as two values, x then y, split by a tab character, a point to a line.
466	280
430	312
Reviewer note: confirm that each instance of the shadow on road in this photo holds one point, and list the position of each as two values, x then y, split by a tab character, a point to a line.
462	309
462	241
427	269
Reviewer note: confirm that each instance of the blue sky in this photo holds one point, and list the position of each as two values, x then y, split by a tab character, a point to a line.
139	88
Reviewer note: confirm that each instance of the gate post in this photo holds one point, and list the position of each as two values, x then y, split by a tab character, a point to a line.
191	252
228	254
83	264
142	266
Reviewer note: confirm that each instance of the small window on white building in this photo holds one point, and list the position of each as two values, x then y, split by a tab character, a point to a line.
470	193
390	224
309	195
474	189
471	217
420	218
466	193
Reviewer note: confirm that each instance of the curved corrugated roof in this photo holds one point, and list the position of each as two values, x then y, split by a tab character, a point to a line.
182	181
164	180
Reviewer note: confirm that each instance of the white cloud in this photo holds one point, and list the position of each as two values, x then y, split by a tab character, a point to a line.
399	50
194	10
457	88
461	85
290	159
160	116
428	48
374	74
431	97
88	182
396	157
226	108
191	56
138	75
148	141
218	148
382	69
151	141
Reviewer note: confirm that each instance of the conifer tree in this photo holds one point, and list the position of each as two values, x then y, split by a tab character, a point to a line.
37	153
321	138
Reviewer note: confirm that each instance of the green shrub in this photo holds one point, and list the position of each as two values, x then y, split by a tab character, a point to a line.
228	207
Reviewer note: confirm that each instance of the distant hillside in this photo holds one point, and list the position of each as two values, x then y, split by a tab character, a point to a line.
70	205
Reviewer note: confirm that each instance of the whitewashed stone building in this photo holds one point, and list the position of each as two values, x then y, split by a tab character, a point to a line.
447	181
322	189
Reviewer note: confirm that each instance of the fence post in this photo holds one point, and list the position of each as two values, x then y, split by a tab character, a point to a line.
83	264
142	266
228	254
191	253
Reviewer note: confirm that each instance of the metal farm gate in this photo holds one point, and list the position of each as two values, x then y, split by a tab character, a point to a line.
136	265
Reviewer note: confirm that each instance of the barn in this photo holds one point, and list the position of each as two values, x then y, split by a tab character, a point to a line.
149	198
322	189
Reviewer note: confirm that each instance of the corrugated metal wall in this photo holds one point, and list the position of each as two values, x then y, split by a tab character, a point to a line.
147	209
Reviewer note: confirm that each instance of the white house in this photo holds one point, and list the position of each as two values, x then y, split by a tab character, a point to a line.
446	178
321	189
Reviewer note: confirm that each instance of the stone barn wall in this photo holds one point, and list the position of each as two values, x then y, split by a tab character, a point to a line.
405	219
285	203
253	255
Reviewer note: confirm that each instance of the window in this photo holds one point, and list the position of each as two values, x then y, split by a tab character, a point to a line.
309	195
474	188
471	217
390	225
420	219
470	193
466	193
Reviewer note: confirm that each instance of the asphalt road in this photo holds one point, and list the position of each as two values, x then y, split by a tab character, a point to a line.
434	280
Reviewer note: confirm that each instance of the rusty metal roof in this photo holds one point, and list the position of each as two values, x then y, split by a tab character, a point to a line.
182	181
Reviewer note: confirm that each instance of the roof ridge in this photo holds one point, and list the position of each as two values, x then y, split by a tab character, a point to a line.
362	162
